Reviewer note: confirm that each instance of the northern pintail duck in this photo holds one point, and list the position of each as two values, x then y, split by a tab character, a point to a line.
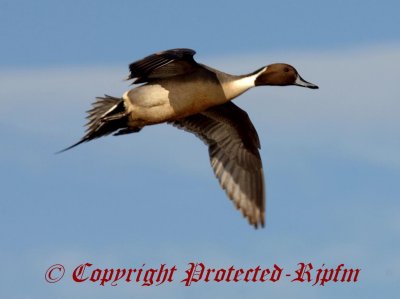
197	98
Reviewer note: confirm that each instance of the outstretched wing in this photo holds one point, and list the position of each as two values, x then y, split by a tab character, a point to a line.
163	64
233	146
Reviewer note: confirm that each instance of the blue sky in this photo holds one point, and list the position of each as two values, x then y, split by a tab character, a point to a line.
331	156
40	33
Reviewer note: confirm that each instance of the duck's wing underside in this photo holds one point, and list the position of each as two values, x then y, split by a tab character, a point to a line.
233	146
163	64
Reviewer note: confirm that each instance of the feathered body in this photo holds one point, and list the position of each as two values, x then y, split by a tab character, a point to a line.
197	98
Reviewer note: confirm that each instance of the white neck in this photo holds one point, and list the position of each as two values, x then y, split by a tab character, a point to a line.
236	87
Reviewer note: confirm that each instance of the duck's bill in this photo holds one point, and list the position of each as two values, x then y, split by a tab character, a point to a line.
301	82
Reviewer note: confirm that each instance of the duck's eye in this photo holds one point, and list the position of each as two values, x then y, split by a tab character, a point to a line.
286	70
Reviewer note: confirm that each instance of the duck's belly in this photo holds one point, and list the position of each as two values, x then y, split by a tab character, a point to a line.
169	100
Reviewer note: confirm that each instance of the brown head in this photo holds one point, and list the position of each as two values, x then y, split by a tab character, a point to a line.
282	74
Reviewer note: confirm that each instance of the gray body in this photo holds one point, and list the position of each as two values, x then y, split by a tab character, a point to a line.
171	98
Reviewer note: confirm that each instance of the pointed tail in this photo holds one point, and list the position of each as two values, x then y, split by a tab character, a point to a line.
107	115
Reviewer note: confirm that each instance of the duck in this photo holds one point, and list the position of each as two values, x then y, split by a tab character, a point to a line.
172	88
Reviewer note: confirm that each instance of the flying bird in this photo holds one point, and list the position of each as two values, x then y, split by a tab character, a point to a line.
177	90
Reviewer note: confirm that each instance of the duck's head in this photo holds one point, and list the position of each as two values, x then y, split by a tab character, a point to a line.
281	74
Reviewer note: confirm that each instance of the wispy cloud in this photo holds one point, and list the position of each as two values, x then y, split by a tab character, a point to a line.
357	98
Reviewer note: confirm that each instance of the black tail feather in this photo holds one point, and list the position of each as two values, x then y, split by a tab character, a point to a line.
107	115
